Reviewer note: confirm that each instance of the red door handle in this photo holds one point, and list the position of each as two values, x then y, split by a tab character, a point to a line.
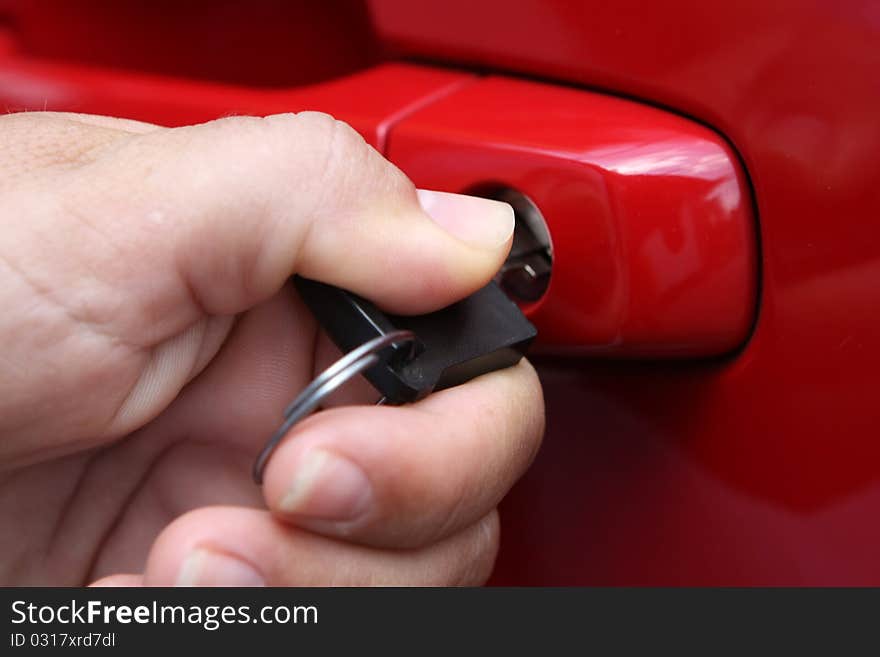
654	247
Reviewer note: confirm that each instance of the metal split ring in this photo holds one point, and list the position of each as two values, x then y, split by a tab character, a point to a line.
353	363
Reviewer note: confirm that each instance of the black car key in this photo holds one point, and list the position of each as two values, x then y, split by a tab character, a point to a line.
481	333
406	357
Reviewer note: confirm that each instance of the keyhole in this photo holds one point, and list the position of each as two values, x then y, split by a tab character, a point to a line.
525	274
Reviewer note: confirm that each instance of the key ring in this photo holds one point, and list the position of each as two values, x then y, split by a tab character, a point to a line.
350	365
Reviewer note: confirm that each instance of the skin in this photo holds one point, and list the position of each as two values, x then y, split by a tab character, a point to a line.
149	341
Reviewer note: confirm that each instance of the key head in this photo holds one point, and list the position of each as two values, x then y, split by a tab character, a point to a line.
479	334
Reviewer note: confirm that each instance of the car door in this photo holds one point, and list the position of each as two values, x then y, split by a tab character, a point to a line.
695	185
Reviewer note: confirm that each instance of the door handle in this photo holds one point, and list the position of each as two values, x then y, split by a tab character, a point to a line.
654	249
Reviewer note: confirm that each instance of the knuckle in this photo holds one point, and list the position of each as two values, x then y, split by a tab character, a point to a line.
308	122
324	156
316	133
327	160
234	122
337	150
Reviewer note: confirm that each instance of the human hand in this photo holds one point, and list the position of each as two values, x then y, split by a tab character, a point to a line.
149	342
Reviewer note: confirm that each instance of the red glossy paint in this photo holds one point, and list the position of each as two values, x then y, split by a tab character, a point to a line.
759	468
261	43
763	468
650	217
371	101
654	239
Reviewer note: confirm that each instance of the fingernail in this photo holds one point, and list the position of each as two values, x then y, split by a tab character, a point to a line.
328	487
478	221
205	567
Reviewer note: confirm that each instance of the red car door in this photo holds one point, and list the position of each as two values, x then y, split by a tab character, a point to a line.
706	172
